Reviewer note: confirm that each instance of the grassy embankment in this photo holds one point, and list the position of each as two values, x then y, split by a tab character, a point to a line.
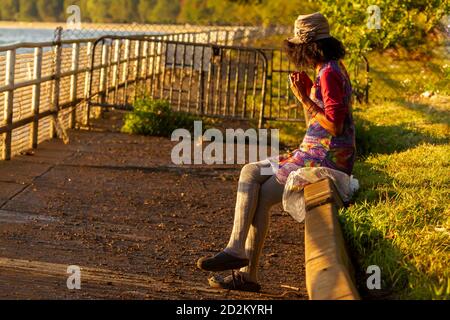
400	218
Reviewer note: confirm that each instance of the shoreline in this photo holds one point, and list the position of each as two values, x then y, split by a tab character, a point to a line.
113	26
30	25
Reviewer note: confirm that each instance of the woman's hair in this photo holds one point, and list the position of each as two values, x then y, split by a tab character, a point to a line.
318	51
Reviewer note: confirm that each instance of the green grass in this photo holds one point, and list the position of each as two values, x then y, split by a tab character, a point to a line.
393	76
400	218
156	118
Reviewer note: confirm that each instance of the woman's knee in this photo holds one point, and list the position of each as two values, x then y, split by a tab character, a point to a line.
250	173
271	193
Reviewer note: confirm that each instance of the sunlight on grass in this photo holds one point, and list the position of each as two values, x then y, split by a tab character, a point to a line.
401	217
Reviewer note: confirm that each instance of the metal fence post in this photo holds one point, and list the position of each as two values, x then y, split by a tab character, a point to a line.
116	70
137	69
87	83
56	87
103	73
263	93
145	65
9	102
126	71
74	81
37	73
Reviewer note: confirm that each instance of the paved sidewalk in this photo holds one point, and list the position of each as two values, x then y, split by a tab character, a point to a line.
114	205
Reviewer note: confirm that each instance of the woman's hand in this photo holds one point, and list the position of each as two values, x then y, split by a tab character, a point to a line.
300	85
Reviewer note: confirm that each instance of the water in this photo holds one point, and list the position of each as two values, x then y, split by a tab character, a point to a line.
19	35
12	36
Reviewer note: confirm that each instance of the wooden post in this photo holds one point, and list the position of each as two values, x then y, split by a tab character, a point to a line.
37	73
9	102
74	81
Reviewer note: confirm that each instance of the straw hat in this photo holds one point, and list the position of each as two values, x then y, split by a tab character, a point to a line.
310	27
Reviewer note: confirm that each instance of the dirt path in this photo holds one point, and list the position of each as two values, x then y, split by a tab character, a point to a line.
114	205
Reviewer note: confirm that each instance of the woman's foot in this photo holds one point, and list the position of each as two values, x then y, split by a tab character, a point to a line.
222	262
234	282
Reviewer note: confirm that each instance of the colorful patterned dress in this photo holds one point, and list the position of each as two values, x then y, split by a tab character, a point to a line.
319	147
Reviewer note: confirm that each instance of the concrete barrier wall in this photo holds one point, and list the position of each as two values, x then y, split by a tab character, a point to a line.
329	272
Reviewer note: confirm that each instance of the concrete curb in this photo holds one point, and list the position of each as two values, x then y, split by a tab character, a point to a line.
329	272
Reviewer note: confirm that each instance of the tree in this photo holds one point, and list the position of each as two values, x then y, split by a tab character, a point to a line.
50	10
123	11
194	11
98	10
403	23
27	10
165	11
280	12
145	9
9	9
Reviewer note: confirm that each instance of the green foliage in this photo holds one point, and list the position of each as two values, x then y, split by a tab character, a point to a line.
269	12
403	23
27	10
9	9
145	9
405	26
49	10
165	11
98	10
122	11
156	118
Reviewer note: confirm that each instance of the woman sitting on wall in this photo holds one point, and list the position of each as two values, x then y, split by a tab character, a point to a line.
329	143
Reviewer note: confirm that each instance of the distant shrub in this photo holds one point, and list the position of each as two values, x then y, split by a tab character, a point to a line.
156	118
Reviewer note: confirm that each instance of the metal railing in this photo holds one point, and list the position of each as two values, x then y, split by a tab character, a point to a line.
51	86
46	86
206	79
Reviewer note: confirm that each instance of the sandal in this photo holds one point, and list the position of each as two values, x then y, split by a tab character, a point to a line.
222	262
234	282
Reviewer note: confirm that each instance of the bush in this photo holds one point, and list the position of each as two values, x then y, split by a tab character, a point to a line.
156	118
